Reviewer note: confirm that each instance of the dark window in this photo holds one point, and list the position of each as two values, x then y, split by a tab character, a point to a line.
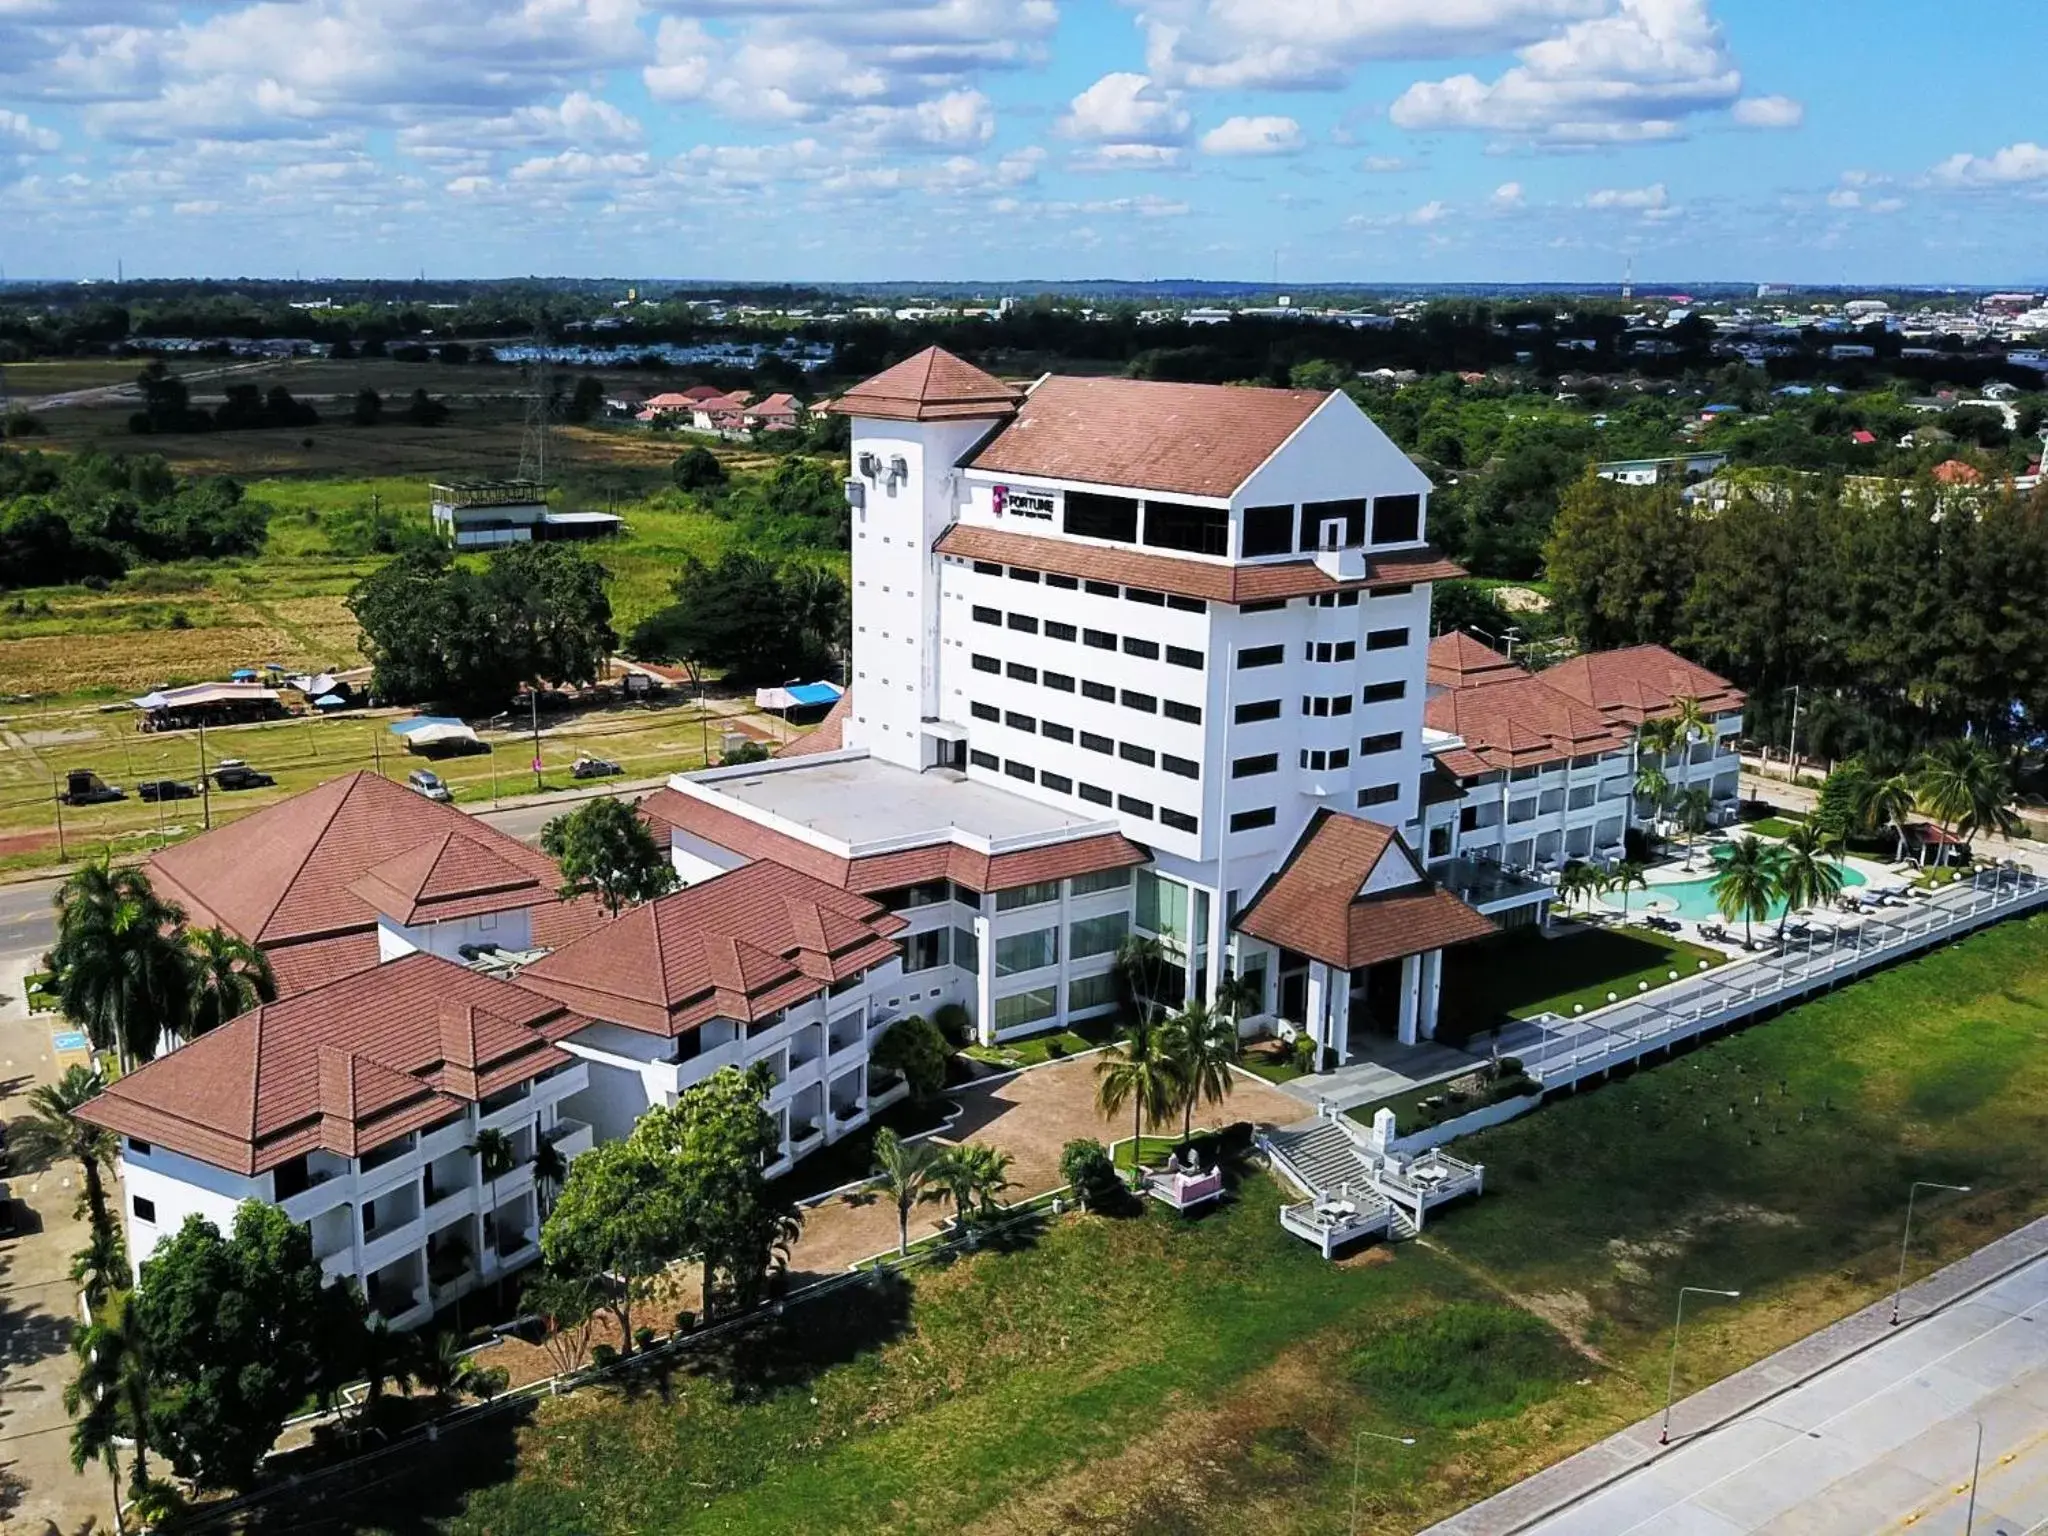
987	615
1400	589
987	568
1253	767
1018	573
1132	806
1186	604
1386	741
1100	639
1251	821
1179	821
1055	630
987	664
1021	673
985	711
1091	515
1059	682
1264	709
1054	732
1341	705
1268	531
1145	595
1094	794
1023	623
1379	794
145	1209
1397	520
1198	530
1181	656
1144	650
1131	752
1385	639
1270	605
1140	701
1341	758
1383	693
142	1148
1059	783
1065	583
1103	588
982	759
1186	713
1094	690
1017	722
1017	770
1261	656
1347	650
1316	513
1180	765
1095	743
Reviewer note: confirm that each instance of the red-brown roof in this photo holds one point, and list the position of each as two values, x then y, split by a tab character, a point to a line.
1314	904
343	1068
1523	722
1206	579
1190	439
667	811
932	386
1641	682
1956	472
740	946
830	736
1456	660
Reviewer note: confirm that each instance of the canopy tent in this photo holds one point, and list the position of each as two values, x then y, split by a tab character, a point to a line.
421	723
200	695
798	696
440	734
330	701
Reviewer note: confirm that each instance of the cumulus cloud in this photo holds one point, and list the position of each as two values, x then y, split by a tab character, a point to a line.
1433	212
1126	108
1255	136
1648	198
2014	165
1768	112
1508	195
1385	165
17	133
1630	77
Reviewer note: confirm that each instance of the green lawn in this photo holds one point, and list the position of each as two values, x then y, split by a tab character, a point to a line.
1155	1374
1036	1050
1522	974
1771	826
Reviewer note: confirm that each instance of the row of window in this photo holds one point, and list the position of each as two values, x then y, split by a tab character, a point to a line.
931	892
1065	682
1084	994
1282	530
1253	656
1094	794
1320	707
1269	762
1096	588
1097	639
1129	751
1264	816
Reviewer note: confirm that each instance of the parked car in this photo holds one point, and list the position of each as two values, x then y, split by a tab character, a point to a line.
428	783
166	789
594	768
84	787
233	773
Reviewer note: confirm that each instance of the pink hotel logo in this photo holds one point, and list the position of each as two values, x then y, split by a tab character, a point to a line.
1036	504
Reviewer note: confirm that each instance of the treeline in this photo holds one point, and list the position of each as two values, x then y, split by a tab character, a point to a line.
90	516
167	407
1904	613
754	619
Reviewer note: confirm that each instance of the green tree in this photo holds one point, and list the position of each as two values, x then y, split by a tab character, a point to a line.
122	972
618	1223
550	1169
1626	876
973	1174
495	1157
229	977
905	1171
111	1398
1137	1071
1691	810
1144	974
1746	882
1888	805
1238	996
368	409
1807	871
1085	1164
568	1304
1579	881
914	1047
53	1133
1620	562
604	848
697	469
385	1360
1201	1042
740	617
1966	787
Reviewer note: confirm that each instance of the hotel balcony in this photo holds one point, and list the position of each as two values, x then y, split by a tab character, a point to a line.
571	1138
1488	888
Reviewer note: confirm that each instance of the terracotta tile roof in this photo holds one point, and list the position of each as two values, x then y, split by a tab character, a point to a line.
1192	439
1462	761
932	386
739	946
1641	682
666	811
1314	906
451	875
1208	579
830	736
344	1067
1456	660
311	963
1523	722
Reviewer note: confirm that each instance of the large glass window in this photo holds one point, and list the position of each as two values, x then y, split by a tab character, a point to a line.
1397	520
1028	896
1097	935
1198	530
1316	513
1088	993
1162	906
1091	515
966	950
1101	880
924	951
1268	531
1032	951
1021	1008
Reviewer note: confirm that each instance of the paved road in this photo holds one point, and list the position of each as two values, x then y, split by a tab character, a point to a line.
1881	1442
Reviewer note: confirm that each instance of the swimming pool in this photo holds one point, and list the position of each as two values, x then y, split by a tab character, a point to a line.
1694	899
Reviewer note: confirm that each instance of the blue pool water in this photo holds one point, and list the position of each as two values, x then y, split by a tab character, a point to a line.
1694	899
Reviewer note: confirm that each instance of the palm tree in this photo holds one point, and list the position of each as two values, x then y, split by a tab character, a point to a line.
1747	882
53	1133
1967	787
1141	963
229	977
990	1170
1626	876
1887	804
1806	875
442	1367
109	1401
389	1359
1578	880
1689	723
495	1158
122	974
1137	1071
906	1171
1201	1043
550	1168
1238	995
1692	810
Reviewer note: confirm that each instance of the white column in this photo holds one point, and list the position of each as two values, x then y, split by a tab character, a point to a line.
985	974
1218	933
1411	997
1340	1016
1432	990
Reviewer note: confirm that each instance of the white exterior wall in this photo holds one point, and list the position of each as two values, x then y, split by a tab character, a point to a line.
176	1187
507	930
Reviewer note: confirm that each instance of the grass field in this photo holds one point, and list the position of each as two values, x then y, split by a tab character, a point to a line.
1155	1375
1522	974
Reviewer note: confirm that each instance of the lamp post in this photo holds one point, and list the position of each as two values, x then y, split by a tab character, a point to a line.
1671	1380
1907	1236
1976	1466
1357	1441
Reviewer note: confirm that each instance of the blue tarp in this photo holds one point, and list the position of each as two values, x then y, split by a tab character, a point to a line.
807	695
244	674
421	722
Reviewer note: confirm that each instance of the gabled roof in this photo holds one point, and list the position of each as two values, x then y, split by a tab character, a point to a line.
1641	682
1193	439
742	945
450	875
1317	903
932	386
1522	721
1456	660
343	1067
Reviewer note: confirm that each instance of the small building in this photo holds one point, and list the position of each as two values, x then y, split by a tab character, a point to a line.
489	514
177	709
1684	466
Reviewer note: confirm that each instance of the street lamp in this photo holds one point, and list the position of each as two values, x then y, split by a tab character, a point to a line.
1907	1236
1976	1466
1357	1440
1671	1381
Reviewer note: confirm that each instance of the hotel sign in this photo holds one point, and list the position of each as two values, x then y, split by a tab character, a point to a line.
1036	504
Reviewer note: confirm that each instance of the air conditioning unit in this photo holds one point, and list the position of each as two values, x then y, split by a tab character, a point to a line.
869	465
856	493
899	468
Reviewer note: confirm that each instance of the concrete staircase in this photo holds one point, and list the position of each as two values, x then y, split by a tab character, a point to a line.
1318	1156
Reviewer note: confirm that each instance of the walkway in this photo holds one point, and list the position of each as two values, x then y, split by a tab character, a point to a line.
1859	1429
1379	1069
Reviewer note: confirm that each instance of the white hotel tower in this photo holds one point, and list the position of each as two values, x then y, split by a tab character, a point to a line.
1127	657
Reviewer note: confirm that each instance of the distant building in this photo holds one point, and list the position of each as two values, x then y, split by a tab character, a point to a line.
1656	471
489	514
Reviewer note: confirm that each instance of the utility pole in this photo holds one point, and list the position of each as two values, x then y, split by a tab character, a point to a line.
1792	775
205	784
533	709
57	799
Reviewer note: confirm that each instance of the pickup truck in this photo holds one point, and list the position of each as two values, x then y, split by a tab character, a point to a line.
233	773
165	789
84	787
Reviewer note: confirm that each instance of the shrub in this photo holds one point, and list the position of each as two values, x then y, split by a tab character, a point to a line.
953	1022
1086	1165
1305	1052
643	1338
486	1382
686	1321
602	1355
1055	1048
914	1047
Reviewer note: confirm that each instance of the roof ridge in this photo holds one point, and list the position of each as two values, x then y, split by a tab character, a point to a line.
312	846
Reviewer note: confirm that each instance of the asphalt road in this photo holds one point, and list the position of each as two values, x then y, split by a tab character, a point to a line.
1882	1442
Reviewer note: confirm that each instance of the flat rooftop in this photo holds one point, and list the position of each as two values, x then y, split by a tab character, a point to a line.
862	801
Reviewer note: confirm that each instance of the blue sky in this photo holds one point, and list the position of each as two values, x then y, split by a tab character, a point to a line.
1328	140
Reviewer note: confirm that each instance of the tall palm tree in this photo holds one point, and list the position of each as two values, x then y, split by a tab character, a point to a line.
495	1158
1887	804
1238	995
1201	1042
229	977
1141	964
1137	1071
1579	880
1689	723
905	1170
1652	785
550	1169
1628	875
1806	873
122	973
52	1133
1966	787
110	1399
389	1359
1747	882
1692	811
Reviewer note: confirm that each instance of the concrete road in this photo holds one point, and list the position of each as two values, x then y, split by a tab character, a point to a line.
1882	1442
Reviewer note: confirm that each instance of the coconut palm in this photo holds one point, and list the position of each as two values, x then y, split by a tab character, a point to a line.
1137	1071
388	1360
550	1168
109	1400
1141	966
1238	995
1578	881
1652	786
1201	1042
1747	882
905	1170
1887	805
53	1133
1691	811
972	1176
1626	876
1689	723
122	972
1806	873
229	977
495	1157
1966	787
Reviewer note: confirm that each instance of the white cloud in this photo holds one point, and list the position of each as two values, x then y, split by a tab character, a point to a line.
1255	136
1128	157
2014	165
1126	108
18	133
1768	112
1632	76
1429	213
1650	198
1385	165
1508	195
